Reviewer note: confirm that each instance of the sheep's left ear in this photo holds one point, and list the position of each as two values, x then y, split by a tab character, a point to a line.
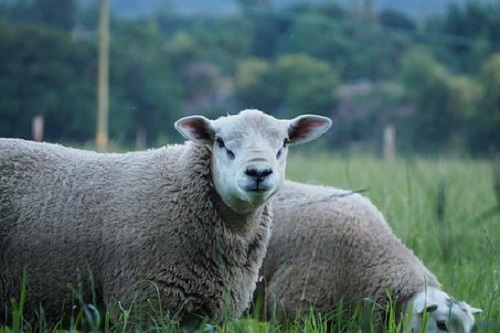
307	128
472	310
429	307
196	128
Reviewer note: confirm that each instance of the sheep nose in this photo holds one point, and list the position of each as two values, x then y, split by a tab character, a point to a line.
258	174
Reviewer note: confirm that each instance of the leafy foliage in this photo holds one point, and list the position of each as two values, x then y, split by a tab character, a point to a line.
442	102
283	59
295	82
485	123
144	93
309	84
45	72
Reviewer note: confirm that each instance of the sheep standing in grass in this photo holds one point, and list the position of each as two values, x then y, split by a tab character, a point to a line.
185	225
330	246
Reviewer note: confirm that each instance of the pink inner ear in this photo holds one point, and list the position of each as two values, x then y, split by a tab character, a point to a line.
197	128
303	128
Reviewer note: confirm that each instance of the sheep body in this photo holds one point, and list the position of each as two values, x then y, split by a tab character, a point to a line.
330	246
111	228
135	228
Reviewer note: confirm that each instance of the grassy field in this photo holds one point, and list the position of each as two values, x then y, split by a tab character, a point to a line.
446	210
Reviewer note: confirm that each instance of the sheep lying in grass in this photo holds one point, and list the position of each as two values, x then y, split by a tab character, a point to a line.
331	246
183	228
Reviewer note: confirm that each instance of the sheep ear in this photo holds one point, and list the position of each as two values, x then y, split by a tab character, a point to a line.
307	128
472	310
429	307
196	128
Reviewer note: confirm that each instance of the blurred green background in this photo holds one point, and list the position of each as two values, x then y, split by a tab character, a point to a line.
425	73
428	70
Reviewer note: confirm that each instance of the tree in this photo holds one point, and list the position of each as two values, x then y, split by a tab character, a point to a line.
291	85
222	41
310	84
394	19
358	50
256	85
182	49
321	25
475	25
145	95
59	14
264	25
484	136
443	103
45	72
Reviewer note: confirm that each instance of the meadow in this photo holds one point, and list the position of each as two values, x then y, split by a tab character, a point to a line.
447	210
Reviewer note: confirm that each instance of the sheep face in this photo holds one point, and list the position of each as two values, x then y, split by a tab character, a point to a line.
444	314
249	152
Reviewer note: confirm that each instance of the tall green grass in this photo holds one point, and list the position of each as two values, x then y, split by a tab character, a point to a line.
446	210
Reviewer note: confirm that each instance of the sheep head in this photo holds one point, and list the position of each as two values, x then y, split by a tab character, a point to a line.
249	152
441	313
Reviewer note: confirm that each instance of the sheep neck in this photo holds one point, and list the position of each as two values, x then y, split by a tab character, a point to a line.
200	169
234	221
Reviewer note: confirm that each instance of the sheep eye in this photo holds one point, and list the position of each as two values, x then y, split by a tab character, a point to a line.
220	142
221	145
441	325
286	142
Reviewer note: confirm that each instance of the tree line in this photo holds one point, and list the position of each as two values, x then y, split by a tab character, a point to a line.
436	80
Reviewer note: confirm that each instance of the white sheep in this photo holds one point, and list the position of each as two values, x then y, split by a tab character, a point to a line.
330	246
445	314
182	229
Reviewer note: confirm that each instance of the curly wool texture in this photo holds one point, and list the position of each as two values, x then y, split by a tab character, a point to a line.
330	246
123	227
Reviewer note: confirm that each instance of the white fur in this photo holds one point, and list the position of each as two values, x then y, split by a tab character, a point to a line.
444	314
331	247
245	147
184	226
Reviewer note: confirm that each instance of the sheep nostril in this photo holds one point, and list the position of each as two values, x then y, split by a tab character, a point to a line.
258	174
266	172
441	325
252	172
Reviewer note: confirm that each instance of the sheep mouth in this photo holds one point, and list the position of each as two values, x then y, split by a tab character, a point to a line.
257	188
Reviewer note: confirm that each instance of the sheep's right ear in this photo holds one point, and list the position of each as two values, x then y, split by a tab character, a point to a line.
308	127
196	128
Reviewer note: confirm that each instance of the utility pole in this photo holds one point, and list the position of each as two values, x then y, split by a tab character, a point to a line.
103	78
